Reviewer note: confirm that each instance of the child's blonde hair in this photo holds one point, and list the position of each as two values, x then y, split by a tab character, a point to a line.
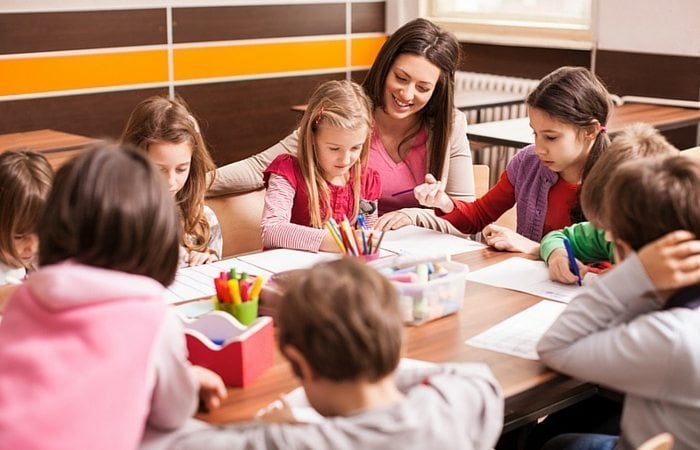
341	104
638	140
25	181
159	119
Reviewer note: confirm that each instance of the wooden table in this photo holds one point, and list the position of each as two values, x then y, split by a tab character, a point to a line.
471	100
57	146
531	390
517	132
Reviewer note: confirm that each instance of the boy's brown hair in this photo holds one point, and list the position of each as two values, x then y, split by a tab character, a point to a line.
109	208
344	317
25	181
637	140
651	197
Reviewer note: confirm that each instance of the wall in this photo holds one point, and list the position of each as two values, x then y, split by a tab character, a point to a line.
240	65
643	47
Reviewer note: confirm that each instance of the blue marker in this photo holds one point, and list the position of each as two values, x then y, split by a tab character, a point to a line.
572	260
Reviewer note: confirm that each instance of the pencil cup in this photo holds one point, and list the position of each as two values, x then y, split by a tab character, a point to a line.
246	312
221	306
371	257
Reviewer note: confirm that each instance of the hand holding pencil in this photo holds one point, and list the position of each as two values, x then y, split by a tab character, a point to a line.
432	194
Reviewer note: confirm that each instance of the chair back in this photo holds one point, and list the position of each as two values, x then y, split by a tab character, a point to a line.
240	216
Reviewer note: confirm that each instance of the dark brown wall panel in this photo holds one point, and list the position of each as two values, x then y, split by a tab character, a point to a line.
524	62
94	115
650	75
358	76
368	17
42	32
256	22
242	118
682	138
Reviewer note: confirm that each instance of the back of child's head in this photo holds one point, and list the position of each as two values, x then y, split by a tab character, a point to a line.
109	208
575	96
343	316
25	181
637	140
338	104
651	197
161	120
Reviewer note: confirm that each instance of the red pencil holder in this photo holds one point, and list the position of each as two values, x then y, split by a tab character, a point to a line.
239	354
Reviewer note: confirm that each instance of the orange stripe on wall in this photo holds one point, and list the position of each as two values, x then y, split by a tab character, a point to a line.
57	73
226	61
364	50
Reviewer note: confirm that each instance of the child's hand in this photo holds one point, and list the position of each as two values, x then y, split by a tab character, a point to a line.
392	221
278	411
211	387
672	261
505	239
432	194
559	269
199	258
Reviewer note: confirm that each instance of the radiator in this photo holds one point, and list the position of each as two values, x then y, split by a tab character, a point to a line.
496	157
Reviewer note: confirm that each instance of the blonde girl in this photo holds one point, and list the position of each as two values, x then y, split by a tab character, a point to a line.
25	181
168	132
328	178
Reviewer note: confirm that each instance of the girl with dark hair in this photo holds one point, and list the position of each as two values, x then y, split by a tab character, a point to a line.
568	111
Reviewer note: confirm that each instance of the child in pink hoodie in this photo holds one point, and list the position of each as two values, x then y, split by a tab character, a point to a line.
89	352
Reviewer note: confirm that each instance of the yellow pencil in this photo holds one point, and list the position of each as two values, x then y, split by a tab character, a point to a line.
255	290
235	291
336	237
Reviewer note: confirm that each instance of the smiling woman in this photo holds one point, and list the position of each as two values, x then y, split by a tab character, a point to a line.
416	130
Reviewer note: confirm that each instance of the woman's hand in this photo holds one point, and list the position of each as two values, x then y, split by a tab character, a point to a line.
432	194
504	239
560	270
672	261
392	221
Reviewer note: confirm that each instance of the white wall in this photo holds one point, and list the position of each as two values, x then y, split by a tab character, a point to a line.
670	27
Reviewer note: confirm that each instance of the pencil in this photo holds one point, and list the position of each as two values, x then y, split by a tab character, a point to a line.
405	191
381	236
336	238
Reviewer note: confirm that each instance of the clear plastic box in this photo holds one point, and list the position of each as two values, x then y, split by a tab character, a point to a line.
421	302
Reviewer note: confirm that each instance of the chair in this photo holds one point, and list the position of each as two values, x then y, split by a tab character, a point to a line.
662	441
239	216
482	186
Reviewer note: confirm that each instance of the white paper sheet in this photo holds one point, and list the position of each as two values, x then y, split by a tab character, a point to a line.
526	275
198	282
419	241
518	335
283	259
